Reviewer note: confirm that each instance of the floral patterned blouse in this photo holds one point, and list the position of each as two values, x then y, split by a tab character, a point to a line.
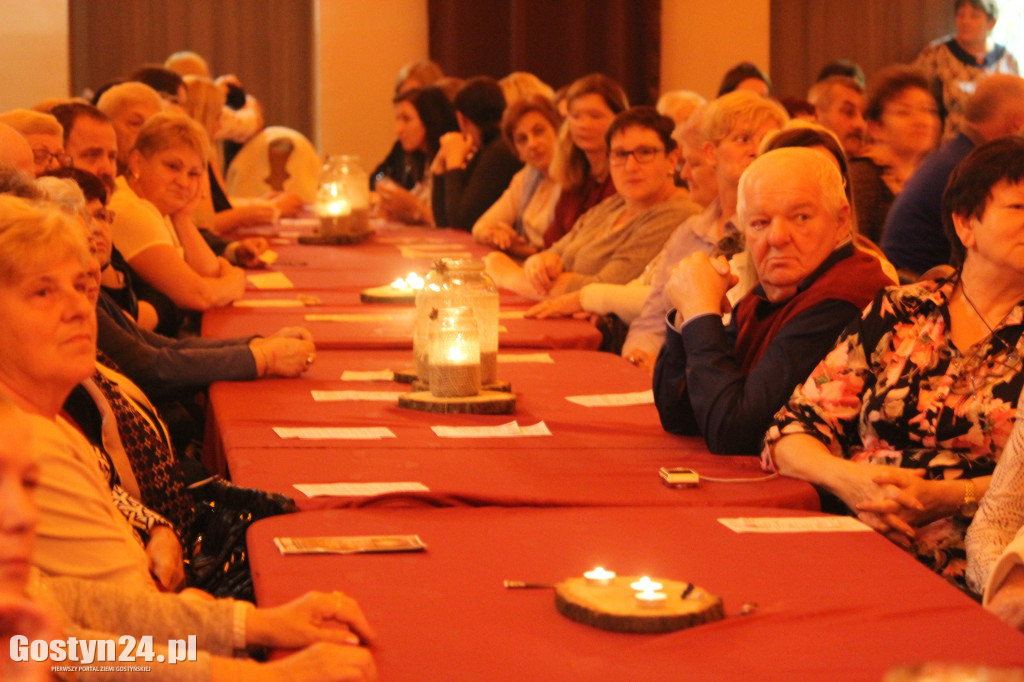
896	391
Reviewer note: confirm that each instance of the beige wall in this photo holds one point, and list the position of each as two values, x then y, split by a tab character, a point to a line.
361	46
33	51
700	41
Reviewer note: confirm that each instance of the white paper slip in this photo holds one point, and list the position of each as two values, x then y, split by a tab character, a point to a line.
786	524
299	222
334	432
512	315
332	396
507	430
358	489
502	328
613	399
269	303
411	252
526	357
346	317
429	246
369	375
271	280
538	429
269	256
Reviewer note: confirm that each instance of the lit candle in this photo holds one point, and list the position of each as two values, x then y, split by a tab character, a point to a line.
599	577
645	584
649	599
457	354
338	208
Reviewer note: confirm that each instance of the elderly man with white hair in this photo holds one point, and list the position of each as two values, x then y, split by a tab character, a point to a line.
726	382
129	105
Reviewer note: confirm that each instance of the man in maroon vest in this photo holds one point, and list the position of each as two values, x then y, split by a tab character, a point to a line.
726	380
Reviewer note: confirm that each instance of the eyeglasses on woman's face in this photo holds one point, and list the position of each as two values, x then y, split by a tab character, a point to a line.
643	154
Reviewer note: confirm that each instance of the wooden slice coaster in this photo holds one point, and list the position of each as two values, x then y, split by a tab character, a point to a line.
317	239
406	376
500	385
486	402
388	294
614	607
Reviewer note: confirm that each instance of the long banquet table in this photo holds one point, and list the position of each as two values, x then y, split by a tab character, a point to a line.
595	455
829	606
837	606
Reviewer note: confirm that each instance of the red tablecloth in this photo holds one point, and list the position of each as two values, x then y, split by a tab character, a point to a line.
388	254
520	476
246	412
595	455
832	606
385	327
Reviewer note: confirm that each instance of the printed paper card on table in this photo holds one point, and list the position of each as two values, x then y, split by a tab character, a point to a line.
270	280
789	524
351	544
359	489
613	399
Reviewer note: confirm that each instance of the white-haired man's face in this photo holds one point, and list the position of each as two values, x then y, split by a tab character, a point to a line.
127	122
790	227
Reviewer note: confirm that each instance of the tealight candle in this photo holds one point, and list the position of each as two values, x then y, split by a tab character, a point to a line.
338	208
645	584
599	577
650	599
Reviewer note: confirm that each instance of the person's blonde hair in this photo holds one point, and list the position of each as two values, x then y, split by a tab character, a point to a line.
28	122
187	63
205	105
522	84
725	112
119	96
32	233
168	131
569	166
678	105
688	132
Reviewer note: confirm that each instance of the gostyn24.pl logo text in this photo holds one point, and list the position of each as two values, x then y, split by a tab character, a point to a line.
88	651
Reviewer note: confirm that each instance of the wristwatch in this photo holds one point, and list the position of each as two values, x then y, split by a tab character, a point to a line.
970	505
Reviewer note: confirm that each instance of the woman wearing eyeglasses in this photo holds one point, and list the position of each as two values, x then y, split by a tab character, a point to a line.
905	418
615	240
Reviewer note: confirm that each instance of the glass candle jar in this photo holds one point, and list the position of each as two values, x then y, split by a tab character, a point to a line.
454	354
343	199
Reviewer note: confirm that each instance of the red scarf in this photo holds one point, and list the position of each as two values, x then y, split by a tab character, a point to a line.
855	279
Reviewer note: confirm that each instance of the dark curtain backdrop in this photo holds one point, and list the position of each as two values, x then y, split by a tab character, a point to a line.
805	34
557	40
266	43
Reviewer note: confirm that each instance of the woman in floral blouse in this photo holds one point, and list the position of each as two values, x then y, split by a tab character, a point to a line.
904	420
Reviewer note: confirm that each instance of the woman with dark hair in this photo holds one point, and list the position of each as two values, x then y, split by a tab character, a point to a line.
902	128
580	164
745	76
475	165
905	418
422	116
615	240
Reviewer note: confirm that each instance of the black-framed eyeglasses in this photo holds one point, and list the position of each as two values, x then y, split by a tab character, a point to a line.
104	214
642	154
42	157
